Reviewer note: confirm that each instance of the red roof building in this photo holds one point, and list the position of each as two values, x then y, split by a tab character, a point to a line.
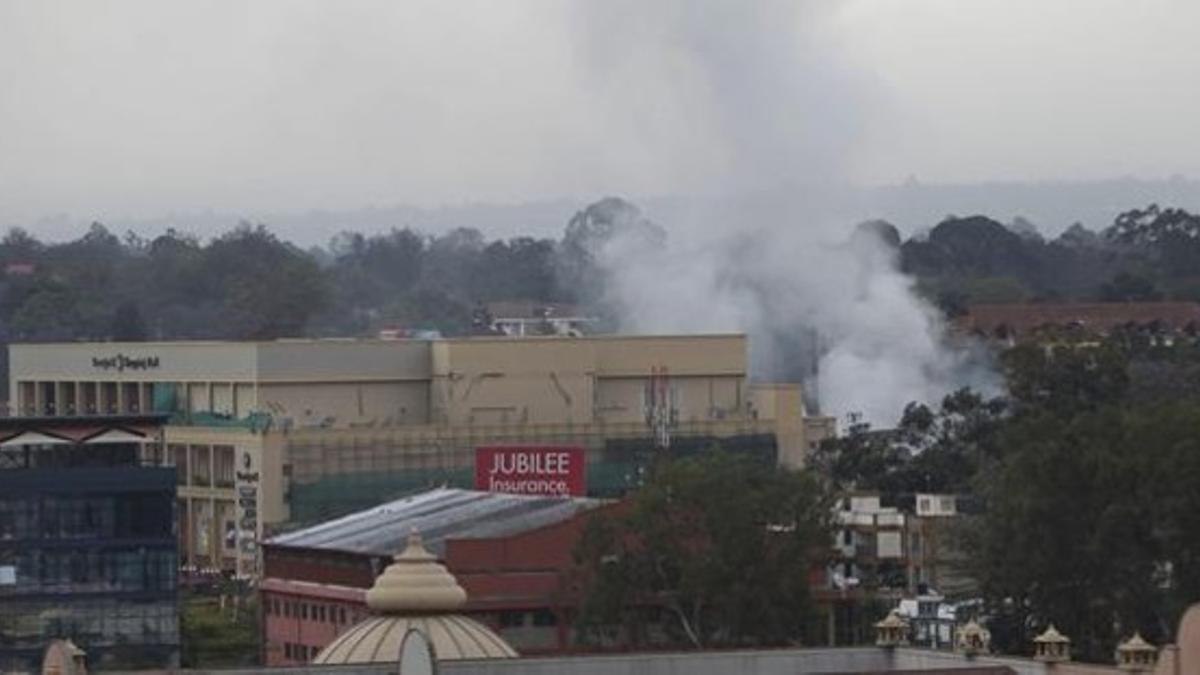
511	553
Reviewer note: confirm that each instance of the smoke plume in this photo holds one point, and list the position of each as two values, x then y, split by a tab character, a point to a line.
774	100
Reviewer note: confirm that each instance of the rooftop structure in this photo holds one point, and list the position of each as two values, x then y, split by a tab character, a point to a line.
512	554
415	593
439	514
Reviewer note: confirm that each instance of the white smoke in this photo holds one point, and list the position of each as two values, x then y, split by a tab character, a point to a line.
763	86
841	309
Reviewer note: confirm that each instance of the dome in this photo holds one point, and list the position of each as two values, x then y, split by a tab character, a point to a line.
377	640
415	592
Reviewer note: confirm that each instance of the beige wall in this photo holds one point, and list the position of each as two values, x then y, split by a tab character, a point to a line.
580	380
466	381
617	356
178	361
342	360
223	377
346	403
783	404
514	380
253	498
623	399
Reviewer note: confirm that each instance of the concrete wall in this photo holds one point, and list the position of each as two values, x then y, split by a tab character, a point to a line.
511	381
177	361
619	356
784	404
554	381
342	360
343	404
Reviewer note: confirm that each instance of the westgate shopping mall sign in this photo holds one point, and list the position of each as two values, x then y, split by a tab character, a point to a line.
556	471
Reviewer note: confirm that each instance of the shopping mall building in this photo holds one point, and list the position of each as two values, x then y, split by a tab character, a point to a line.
266	433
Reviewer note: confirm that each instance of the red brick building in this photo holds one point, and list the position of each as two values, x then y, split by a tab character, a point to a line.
1025	321
511	553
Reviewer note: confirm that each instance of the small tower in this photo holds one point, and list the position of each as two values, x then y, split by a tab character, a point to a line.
1135	655
63	657
973	639
892	631
1052	646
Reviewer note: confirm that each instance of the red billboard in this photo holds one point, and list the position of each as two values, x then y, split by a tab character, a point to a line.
557	471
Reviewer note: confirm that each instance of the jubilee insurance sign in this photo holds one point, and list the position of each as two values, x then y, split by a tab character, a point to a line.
551	471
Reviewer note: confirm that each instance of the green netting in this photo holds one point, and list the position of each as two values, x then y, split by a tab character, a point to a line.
251	422
334	496
614	470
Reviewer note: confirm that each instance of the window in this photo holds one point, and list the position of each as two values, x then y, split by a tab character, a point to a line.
223	465
201	465
304	610
512	619
847	537
178	455
545	617
287	608
287	650
342	615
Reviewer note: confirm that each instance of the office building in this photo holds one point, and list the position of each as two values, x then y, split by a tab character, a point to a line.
87	541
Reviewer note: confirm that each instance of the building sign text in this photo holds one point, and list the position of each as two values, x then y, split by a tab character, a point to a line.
121	362
531	470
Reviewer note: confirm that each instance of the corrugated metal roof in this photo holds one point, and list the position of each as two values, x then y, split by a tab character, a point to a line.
439	514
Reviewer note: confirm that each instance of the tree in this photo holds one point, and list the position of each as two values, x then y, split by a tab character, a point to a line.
127	324
1083	531
929	451
721	545
1128	287
268	289
1065	378
1087	505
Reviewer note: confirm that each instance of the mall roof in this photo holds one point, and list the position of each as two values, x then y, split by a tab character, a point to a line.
439	514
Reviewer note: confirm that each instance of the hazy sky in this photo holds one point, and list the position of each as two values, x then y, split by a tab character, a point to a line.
130	109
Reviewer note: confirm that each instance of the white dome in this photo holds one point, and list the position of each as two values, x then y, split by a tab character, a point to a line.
377	640
415	592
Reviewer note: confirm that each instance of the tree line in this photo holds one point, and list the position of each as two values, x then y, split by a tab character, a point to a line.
1146	254
249	283
1085	490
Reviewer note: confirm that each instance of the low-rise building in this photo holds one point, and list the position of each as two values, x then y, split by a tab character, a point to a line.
512	554
897	552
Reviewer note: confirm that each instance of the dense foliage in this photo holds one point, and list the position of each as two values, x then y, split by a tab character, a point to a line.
714	550
1086	486
1147	254
249	284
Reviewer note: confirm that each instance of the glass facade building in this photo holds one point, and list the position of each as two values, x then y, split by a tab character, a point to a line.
88	548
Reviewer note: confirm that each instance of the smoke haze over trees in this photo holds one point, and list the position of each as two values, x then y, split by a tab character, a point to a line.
849	304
